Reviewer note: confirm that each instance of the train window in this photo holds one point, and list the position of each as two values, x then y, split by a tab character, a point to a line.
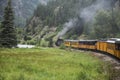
88	42
118	46
81	43
92	43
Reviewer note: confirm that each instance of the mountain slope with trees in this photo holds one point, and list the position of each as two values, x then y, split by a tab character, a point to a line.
54	15
107	24
49	20
23	9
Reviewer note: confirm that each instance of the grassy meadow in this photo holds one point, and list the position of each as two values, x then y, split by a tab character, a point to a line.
50	64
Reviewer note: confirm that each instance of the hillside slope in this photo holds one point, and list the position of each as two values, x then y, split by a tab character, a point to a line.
23	9
66	18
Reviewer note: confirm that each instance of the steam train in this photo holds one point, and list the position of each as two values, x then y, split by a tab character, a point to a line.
110	46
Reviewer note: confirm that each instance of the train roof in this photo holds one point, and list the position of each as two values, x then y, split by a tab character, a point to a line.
88	40
72	40
111	40
81	40
117	41
114	40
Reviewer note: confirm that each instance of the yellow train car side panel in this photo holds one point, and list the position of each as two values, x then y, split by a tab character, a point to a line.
74	44
83	46
98	45
111	48
92	47
87	46
80	45
117	53
118	50
111	51
67	43
102	46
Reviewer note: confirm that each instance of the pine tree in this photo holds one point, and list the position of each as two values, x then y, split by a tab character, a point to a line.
8	37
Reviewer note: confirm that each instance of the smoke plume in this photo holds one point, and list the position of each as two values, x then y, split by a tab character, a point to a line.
67	26
87	14
44	2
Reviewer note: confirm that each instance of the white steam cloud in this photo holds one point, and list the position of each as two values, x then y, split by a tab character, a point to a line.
87	14
67	26
44	2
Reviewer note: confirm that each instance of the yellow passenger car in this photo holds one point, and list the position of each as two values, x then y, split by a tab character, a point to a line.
113	47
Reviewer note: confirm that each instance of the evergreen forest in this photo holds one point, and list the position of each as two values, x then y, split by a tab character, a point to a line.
68	19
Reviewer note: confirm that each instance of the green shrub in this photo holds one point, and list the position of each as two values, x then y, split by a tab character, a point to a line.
44	43
31	42
62	46
27	38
